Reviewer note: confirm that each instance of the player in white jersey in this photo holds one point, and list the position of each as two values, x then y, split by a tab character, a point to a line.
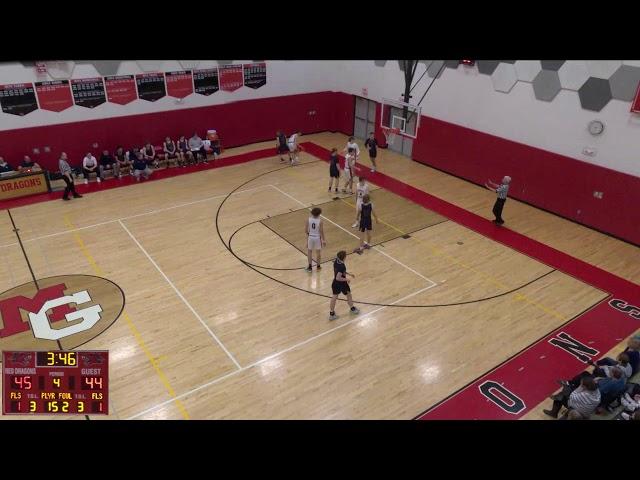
352	144
315	237
349	171
292	143
362	189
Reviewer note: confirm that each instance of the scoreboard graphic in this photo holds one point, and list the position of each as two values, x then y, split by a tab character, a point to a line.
55	383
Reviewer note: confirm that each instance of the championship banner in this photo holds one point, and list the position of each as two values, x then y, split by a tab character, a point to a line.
54	96
18	98
230	77
206	81
23	185
121	89
179	84
88	92
150	86
255	75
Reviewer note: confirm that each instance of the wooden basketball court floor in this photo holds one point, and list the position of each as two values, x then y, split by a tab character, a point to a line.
222	322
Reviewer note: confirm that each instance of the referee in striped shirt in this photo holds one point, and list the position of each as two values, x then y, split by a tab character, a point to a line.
65	170
502	191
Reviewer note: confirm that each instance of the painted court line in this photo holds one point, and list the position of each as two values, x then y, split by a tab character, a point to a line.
151	212
277	354
184	300
354	235
134	331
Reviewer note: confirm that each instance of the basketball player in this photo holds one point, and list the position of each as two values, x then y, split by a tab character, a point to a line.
315	237
362	189
352	144
334	169
293	148
184	154
340	285
502	191
349	170
366	225
281	144
372	145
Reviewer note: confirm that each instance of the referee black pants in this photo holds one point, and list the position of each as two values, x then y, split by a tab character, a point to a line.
497	209
69	188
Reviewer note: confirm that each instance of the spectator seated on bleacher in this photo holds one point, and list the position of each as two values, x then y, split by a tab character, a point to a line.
184	154
630	400
107	164
610	388
196	146
584	399
4	166
123	164
28	165
90	167
170	151
141	167
149	155
606	365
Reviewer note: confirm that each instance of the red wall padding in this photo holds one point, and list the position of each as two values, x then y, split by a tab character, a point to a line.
547	180
238	123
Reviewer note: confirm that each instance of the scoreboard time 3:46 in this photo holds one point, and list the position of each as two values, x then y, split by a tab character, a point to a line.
55	383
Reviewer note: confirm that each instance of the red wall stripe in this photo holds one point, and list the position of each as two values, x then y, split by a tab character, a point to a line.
544	179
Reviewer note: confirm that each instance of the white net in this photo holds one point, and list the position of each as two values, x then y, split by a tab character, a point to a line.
390	134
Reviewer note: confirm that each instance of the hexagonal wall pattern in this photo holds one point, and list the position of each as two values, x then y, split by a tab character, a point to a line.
380	63
526	70
487	67
624	82
553	65
594	94
434	68
189	64
60	70
602	68
546	85
633	63
149	65
504	77
107	67
452	63
573	74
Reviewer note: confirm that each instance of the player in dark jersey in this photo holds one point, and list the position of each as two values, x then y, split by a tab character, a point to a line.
366	225
372	144
340	285
281	145
334	169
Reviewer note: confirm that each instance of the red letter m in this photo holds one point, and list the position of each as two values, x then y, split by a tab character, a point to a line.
10	309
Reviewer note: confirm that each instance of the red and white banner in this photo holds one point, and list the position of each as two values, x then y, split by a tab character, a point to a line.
121	89
231	77
179	84
54	96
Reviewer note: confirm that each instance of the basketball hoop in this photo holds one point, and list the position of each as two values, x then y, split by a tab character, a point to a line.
390	134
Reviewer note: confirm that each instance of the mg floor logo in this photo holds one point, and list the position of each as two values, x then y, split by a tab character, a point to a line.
69	309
